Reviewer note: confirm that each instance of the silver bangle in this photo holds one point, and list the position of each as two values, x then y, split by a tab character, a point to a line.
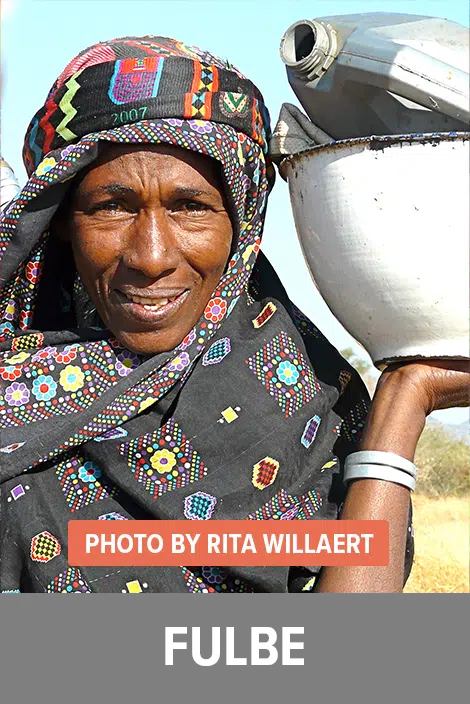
389	459
378	471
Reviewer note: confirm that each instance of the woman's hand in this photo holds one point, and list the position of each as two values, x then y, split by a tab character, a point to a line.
406	394
435	384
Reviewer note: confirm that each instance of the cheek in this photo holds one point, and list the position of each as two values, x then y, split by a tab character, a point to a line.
95	251
209	252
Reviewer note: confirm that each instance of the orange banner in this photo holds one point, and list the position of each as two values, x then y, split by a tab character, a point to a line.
220	543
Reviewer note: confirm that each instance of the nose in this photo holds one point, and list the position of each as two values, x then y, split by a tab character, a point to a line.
152	246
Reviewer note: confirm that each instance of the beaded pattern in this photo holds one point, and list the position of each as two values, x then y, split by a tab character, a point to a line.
265	473
199	506
217	352
353	423
54	383
285	507
285	374
70	580
310	431
82	484
44	547
209	580
164	460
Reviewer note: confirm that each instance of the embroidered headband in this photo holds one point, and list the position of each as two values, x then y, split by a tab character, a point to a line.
127	80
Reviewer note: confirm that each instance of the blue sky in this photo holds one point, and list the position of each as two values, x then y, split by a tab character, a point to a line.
39	37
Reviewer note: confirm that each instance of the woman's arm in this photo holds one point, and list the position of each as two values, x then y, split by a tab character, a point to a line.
405	395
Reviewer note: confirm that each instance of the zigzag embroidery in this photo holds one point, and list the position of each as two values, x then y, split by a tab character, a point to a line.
67	108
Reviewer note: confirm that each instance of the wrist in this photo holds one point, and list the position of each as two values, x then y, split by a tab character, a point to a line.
396	417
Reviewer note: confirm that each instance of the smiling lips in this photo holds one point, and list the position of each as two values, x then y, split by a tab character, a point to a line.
151	303
152	309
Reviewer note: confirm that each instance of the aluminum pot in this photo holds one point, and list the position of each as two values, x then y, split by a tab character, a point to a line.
384	226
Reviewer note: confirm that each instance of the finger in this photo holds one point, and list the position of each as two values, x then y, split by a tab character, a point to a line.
457	365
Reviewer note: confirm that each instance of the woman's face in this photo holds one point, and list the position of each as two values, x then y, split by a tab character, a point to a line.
151	237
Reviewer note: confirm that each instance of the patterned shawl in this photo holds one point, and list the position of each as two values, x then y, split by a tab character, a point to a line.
250	417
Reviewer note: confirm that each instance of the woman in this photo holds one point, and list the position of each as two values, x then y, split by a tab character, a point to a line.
153	366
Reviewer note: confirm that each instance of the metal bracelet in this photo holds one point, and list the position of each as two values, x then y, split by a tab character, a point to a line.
389	459
378	471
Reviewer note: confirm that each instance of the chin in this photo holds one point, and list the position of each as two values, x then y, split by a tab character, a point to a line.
147	344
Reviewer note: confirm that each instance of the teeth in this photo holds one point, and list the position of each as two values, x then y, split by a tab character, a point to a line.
153	306
150	303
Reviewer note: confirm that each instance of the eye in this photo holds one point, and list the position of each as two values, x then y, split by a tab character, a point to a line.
110	206
191	206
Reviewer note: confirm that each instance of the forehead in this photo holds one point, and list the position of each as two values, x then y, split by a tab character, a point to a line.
163	162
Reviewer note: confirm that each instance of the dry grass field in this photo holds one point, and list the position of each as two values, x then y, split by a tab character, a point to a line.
441	528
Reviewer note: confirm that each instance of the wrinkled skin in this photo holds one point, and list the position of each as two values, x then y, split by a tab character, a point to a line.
150	222
437	384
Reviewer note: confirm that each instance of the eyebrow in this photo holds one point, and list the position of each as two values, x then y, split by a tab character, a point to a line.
184	192
117	189
111	189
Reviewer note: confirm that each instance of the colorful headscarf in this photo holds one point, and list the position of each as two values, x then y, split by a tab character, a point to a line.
254	404
132	90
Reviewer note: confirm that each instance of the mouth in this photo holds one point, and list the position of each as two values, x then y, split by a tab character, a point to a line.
150	309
